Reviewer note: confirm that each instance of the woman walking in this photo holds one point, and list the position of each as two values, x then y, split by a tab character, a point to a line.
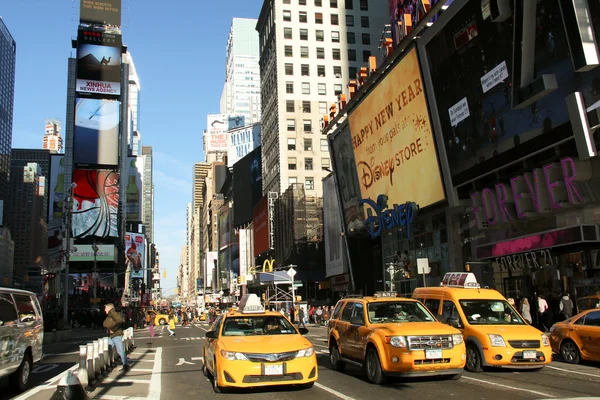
171	327
526	310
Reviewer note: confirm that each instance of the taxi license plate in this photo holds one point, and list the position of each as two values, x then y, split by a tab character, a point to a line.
274	369
529	354
433	354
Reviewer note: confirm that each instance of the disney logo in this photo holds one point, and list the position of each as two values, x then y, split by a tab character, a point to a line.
371	174
385	218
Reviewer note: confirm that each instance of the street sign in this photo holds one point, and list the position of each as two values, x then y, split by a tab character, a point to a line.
291	272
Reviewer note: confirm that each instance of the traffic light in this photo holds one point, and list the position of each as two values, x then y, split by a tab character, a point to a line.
239	280
164	273
264	297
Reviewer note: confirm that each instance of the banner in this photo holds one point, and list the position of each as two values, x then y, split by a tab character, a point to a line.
217	137
241	142
85	252
243	252
393	142
335	256
99	62
96	139
135	254
103	12
261	226
95	203
133	191
211	265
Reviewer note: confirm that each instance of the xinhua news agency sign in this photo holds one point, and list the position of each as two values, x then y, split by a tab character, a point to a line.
385	219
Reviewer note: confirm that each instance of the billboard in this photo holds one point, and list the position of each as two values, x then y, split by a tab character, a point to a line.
102	12
224	226
99	63
95	203
135	254
85	252
247	183
96	140
211	266
133	191
393	143
217	137
245	252
260	218
335	251
241	142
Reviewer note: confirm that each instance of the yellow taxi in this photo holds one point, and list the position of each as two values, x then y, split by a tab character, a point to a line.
589	302
158	318
495	333
390	336
578	338
254	347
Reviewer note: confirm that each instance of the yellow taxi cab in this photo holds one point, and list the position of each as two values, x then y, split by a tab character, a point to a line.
578	338
589	302
158	318
255	347
390	336
495	333
202	316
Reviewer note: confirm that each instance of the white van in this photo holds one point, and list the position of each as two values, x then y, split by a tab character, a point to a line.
21	335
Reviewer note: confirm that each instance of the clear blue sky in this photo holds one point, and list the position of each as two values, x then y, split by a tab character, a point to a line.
179	52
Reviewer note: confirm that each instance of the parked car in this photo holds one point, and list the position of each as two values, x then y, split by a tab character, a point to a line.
577	338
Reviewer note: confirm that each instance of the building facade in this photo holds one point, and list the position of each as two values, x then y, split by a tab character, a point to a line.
53	141
148	193
8	57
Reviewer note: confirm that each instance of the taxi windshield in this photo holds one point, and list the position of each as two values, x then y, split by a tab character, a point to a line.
398	311
490	312
257	325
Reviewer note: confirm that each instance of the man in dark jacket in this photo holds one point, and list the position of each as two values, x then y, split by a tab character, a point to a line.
113	323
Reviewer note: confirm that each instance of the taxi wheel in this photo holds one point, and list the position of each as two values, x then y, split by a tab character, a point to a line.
19	380
570	352
336	359
204	369
473	359
216	387
373	368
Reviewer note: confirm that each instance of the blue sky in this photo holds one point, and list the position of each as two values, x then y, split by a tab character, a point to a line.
179	54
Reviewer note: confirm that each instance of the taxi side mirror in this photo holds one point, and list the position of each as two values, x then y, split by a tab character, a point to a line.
303	331
453	322
211	334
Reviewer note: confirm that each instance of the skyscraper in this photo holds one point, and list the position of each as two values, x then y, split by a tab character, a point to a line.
309	51
8	54
52	141
148	194
133	135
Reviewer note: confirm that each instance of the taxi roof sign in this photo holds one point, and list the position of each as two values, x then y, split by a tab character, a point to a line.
250	303
386	294
460	279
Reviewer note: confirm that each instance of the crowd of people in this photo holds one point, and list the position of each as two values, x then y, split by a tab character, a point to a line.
545	312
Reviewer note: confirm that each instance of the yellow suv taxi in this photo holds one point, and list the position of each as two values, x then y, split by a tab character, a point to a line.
495	334
391	336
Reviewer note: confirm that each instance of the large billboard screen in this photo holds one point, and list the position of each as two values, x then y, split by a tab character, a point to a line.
261	226
211	260
335	252
99	63
135	254
393	144
133	191
102	12
471	64
241	142
96	139
95	203
217	136
247	186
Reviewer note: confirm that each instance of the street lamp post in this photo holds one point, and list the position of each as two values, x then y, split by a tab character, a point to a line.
67	212
95	270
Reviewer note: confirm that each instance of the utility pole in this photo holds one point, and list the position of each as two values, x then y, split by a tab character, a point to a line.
95	271
67	212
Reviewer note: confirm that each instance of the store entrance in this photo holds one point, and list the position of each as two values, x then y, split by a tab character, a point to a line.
518	286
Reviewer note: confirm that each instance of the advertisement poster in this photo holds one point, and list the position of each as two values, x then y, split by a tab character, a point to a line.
135	254
96	139
335	255
217	137
99	63
211	266
133	191
248	173
241	142
243	271
95	203
103	12
393	142
261	226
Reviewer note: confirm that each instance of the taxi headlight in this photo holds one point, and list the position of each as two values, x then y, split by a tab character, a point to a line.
230	355
306	352
457	339
398	341
545	340
497	340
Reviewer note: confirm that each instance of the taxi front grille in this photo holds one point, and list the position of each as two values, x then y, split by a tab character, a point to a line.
429	342
431	362
524	344
297	376
271	357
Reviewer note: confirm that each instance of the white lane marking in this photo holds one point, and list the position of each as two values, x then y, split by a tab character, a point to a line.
573	372
507	386
333	392
111	397
141	369
125	380
138	360
155	380
320	345
49	384
197	358
182	361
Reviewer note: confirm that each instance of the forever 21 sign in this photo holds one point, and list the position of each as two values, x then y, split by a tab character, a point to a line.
535	260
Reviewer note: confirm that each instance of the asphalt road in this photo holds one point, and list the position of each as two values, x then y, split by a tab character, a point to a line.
170	368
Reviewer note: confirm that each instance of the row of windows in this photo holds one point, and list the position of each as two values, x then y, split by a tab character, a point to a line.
335	53
334	19
288	33
290	106
305	70
308	146
308	164
348	4
321	88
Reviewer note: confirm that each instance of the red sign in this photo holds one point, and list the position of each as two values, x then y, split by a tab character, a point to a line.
260	218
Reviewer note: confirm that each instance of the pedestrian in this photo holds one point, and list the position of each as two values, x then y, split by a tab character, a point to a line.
292	315
301	318
566	306
171	327
526	310
114	323
319	313
543	313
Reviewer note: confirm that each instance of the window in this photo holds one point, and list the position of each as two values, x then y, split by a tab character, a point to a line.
306	107
289	106
287	15
349	20
366	55
292	163
351	55
289	69
349	4
305	88
321	71
335	20
322	107
288	51
366	38
335	36
325	164
286	1
320	53
287	33
337	89
364	5
292	180
351	37
308	144
308	164
318	3
352	71
304	70
303	34
302	2
337	71
449	310
335	53
347	312
304	52
318	18
320	35
324	145
302	16
591	319
309	183
307	125
291	125
364	22
333	3
8	314
25	308
322	89
291	144
433	305
289	87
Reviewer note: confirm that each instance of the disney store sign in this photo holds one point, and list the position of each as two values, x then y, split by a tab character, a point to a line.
381	218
